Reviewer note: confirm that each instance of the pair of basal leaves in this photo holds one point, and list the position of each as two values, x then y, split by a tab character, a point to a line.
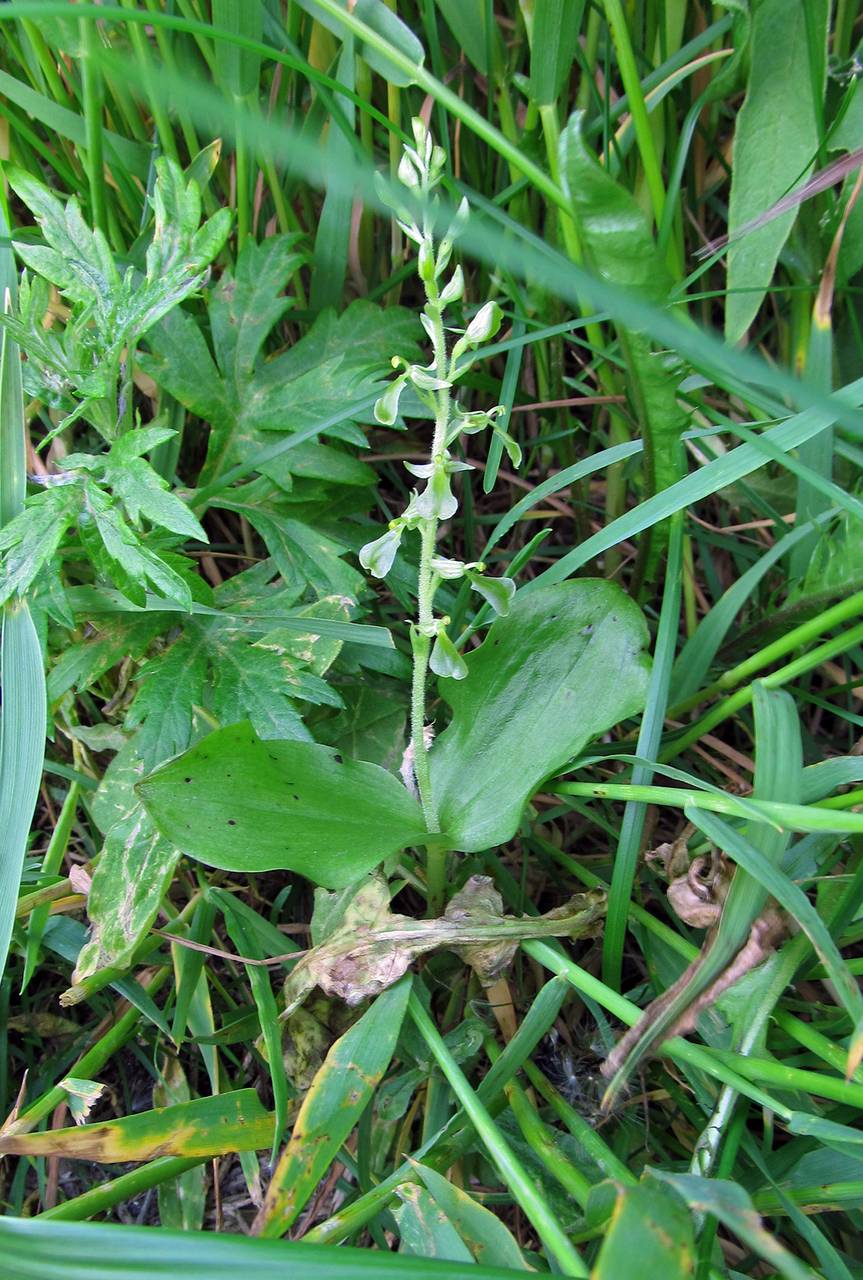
565	665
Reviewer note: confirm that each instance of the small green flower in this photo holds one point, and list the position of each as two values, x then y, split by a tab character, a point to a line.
445	658
377	557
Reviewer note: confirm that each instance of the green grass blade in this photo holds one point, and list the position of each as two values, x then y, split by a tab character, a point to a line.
34	1249
649	738
22	750
535	1206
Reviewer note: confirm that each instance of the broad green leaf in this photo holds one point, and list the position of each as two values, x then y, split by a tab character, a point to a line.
730	1203
469	23
565	665
384	22
340	1093
203	1127
133	873
486	1237
652	1226
615	233
619	245
182	1200
237	802
36	1248
775	144
22	750
424	1229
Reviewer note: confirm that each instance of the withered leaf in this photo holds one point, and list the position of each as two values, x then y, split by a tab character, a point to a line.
370	946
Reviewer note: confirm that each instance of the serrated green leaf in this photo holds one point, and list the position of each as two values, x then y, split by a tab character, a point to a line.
337	363
237	802
31	539
143	492
125	559
548	678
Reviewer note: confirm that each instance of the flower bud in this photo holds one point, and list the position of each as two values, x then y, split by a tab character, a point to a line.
426	262
387	406
453	291
407	174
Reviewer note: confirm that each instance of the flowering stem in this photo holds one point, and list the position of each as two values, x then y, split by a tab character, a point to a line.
421	634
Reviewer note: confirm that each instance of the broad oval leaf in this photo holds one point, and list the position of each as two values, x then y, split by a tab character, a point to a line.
648	1224
564	666
775	142
241	803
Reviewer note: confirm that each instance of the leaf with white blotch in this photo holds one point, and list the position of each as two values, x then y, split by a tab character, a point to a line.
424	1229
237	667
362	947
82	1096
244	804
647	1223
566	665
132	875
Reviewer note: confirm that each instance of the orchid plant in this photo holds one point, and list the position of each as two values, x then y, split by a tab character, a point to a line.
420	172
